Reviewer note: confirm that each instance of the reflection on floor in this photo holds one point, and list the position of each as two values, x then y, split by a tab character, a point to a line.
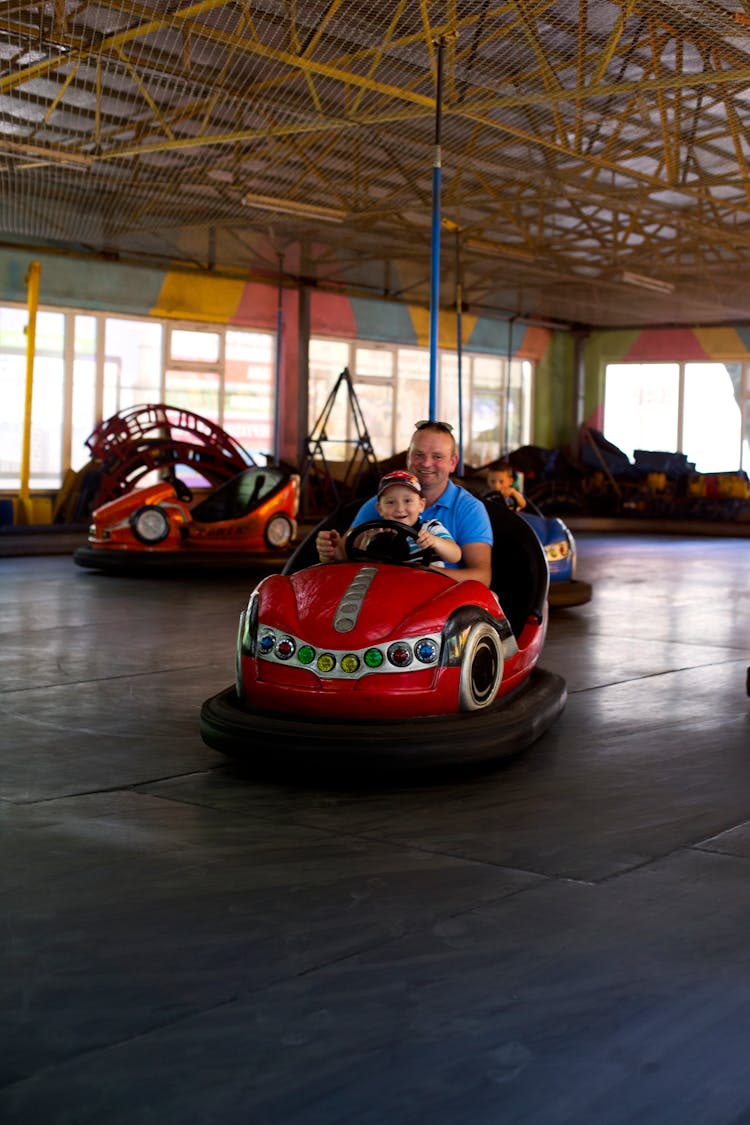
562	939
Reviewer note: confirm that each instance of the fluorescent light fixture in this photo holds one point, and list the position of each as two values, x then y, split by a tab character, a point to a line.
499	249
653	283
40	155
292	207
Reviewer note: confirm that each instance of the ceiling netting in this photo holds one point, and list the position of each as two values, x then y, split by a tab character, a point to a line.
583	144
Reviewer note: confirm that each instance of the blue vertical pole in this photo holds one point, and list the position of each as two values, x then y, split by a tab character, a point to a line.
459	357
277	393
435	257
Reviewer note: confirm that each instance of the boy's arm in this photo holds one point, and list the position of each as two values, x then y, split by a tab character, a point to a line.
441	542
446	549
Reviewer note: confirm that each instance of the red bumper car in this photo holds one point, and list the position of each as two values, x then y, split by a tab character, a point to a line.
380	659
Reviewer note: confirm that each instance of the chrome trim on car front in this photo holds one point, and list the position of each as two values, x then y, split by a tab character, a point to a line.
328	663
351	603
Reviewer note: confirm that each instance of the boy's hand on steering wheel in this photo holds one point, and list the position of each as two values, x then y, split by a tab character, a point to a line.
426	539
326	544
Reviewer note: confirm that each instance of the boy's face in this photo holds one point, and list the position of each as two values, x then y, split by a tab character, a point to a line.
400	503
499	481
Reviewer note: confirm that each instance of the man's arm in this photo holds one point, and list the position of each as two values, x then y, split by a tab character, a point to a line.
330	546
476	562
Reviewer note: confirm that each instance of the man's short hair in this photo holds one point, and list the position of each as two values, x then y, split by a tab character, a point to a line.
435	428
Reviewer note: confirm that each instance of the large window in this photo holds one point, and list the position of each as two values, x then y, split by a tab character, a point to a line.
249	391
132	365
392	385
641	406
712	416
692	408
48	388
84	408
88	367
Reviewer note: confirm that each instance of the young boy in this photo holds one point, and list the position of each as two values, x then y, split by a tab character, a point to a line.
500	479
400	498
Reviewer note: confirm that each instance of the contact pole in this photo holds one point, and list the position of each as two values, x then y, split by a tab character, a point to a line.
277	393
435	256
459	356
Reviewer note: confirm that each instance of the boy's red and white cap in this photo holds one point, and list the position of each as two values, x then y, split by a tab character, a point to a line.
400	476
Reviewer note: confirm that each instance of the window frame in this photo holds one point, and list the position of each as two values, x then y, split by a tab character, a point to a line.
67	359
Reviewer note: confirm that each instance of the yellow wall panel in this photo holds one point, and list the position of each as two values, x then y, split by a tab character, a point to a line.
721	343
420	318
192	297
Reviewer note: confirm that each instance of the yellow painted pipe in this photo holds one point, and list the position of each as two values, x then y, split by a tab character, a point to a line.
32	284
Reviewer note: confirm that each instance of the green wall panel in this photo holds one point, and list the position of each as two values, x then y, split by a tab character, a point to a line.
81	284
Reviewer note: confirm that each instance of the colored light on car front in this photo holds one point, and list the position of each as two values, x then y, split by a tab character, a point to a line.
557	551
285	647
267	643
400	655
426	651
270	644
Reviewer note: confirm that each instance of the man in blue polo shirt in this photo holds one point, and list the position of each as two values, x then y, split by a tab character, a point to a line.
432	457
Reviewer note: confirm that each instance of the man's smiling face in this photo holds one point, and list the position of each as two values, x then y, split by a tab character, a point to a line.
432	458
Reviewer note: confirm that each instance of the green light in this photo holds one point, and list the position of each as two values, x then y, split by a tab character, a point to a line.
373	658
306	654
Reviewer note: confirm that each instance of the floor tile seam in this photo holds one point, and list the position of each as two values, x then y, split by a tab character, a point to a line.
265	818
193	802
659	858
132	788
333	833
307	825
93	1052
102	679
637	638
397	845
543	877
702	844
269	817
656	675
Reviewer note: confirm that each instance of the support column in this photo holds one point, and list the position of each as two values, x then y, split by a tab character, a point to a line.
303	370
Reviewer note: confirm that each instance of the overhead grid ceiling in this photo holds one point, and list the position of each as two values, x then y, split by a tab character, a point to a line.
588	148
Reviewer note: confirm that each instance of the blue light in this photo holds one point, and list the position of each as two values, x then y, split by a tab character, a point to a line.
267	642
426	651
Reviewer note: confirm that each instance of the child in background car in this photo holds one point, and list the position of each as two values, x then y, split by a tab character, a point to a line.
500	479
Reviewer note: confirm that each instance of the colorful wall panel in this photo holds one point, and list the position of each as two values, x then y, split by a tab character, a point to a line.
77	283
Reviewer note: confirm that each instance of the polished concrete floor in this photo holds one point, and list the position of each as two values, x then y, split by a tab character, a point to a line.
562	940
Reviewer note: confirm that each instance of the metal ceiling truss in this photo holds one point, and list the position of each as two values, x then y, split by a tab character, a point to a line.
579	143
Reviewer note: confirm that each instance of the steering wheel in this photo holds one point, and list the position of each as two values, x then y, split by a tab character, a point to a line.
509	501
181	489
389	543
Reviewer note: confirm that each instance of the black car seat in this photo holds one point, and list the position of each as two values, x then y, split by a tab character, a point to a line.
520	575
238	496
